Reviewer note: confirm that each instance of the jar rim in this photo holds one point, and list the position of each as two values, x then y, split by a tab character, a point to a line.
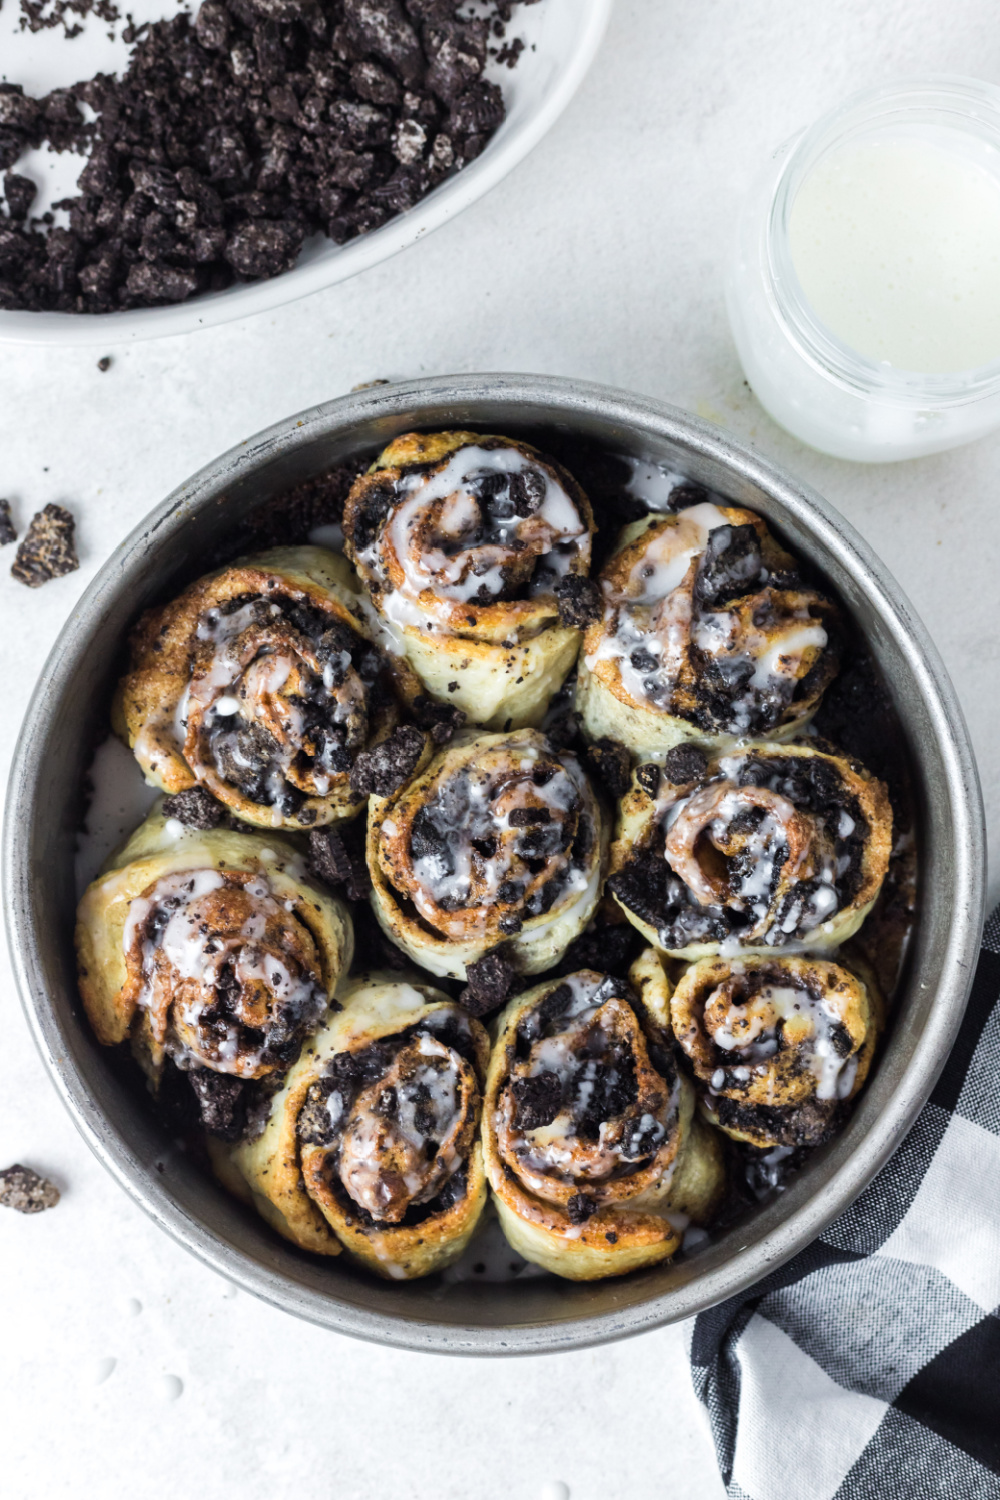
963	103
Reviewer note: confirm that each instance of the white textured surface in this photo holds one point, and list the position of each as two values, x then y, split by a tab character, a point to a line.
599	258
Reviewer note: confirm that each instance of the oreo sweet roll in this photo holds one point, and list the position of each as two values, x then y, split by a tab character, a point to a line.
779	1044
260	683
767	847
707	632
208	947
372	1142
499	841
467	543
593	1151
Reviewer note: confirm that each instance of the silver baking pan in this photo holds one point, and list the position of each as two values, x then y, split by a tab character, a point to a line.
68	714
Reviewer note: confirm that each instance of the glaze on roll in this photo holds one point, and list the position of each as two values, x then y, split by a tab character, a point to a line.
373	1139
778	1044
594	1156
211	948
770	846
707	633
260	684
500	840
463	541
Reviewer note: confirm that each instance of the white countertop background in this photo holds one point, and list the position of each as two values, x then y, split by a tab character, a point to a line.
600	258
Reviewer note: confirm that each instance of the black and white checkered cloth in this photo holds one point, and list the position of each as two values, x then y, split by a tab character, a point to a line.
868	1368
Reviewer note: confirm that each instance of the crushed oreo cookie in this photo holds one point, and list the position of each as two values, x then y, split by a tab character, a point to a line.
220	1103
683	765
48	550
234	135
195	808
383	769
537	1100
580	601
288	520
490	982
336	865
439	719
7	531
611	762
27	1191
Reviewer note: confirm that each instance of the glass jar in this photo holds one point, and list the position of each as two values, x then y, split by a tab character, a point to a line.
809	380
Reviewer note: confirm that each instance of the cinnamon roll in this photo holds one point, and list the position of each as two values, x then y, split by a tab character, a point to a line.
707	633
500	840
778	1043
462	540
769	846
260	683
373	1139
211	948
595	1158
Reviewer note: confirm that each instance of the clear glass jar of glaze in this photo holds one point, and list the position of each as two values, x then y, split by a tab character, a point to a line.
812	382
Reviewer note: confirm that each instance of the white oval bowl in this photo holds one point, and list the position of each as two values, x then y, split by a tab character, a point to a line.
561	37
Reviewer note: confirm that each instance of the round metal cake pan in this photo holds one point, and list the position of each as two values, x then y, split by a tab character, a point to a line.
68	714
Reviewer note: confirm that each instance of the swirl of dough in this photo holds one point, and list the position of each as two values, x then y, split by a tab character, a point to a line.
462	541
500	839
778	1044
769	846
707	632
261	684
209	947
591	1147
372	1141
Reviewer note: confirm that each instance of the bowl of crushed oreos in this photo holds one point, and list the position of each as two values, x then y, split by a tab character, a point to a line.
869	734
223	161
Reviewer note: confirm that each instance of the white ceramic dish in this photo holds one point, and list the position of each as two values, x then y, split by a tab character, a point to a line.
561	37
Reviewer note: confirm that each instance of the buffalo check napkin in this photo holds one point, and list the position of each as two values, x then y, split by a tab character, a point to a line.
868	1368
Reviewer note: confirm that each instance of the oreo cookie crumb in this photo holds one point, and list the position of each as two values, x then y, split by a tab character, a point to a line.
611	762
331	862
7	531
47	550
195	808
288	520
537	1100
439	719
385	768
648	778
580	601
20	194
489	983
579	1208
26	1191
220	1102
684	764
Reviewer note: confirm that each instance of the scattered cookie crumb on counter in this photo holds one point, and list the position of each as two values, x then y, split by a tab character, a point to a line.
8	532
48	550
26	1191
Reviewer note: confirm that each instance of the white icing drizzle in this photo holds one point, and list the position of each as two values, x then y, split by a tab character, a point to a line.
651	622
471	546
196	959
779	1014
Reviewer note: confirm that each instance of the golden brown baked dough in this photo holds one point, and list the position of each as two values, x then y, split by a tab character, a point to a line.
778	1043
708	633
461	539
260	683
766	847
592	1150
499	840
345	1152
210	947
